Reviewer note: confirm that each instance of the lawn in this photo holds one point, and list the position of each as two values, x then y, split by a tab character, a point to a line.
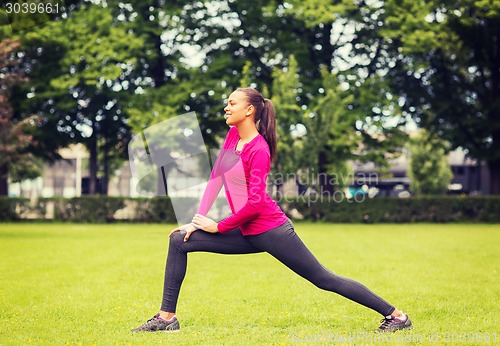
90	284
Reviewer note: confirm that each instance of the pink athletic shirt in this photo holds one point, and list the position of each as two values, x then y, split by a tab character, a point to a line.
243	174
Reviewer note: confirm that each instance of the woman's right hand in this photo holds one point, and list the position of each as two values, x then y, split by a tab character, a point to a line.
188	228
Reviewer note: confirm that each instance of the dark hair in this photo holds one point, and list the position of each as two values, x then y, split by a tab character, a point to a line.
264	117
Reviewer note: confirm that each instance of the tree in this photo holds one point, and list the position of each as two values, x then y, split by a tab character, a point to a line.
246	75
14	135
429	170
83	97
349	125
286	88
226	35
331	137
350	111
168	82
447	70
33	54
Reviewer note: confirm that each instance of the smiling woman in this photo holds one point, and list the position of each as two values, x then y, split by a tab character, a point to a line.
257	223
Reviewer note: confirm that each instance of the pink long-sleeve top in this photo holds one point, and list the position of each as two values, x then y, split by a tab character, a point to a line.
243	174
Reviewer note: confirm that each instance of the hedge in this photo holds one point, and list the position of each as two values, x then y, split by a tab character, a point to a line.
398	210
12	208
103	209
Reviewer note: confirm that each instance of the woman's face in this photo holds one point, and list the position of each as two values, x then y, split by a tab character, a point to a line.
237	108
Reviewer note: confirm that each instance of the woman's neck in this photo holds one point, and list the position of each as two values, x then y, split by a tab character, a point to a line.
247	132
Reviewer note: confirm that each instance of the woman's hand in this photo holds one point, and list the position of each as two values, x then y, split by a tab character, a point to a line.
205	223
189	228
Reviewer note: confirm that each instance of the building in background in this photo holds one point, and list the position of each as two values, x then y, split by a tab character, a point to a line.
60	178
470	177
69	177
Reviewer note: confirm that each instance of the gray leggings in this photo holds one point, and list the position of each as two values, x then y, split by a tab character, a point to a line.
282	243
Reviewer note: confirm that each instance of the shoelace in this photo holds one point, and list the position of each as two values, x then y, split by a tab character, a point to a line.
155	317
386	322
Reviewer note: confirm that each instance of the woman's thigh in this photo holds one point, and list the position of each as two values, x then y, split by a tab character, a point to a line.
232	242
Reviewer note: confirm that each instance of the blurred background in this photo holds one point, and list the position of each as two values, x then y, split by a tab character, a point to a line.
396	98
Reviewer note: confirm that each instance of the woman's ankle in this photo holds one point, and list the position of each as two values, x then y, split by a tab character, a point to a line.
167	315
397	313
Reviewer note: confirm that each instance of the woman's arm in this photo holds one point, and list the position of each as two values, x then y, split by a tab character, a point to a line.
215	181
210	194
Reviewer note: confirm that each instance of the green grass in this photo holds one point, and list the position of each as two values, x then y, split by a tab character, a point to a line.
90	284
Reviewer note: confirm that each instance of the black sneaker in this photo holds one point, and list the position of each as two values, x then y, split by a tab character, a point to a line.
392	324
156	324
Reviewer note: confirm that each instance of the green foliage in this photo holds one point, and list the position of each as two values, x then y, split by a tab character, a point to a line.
77	68
397	210
15	137
102	209
28	170
147	210
429	170
448	73
102	42
91	209
286	88
126	66
331	139
378	122
146	114
98	52
12	209
246	75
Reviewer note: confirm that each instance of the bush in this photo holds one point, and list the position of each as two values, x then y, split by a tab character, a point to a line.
87	209
397	210
11	209
154	210
102	209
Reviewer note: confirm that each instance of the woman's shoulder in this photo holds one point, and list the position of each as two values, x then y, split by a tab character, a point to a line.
231	136
259	147
232	130
261	144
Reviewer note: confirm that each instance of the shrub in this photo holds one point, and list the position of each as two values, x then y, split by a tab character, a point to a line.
103	209
87	209
12	208
397	210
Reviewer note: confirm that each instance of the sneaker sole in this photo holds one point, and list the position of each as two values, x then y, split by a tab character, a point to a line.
395	331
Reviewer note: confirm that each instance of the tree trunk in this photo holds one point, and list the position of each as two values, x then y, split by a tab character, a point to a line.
93	160
105	182
494	167
4	180
162	187
327	51
279	183
158	65
326	187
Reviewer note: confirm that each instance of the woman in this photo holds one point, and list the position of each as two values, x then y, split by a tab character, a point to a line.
257	223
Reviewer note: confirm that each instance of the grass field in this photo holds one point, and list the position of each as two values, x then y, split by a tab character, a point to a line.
90	284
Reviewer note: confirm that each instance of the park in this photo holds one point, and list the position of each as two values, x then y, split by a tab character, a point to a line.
368	130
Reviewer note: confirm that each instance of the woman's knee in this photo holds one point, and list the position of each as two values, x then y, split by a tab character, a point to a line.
177	238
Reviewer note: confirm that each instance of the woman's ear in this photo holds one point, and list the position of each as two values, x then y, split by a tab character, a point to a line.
250	110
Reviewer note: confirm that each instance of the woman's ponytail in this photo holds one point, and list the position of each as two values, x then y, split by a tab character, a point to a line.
265	118
267	127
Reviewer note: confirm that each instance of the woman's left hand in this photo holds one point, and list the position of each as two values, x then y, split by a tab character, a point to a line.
205	223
